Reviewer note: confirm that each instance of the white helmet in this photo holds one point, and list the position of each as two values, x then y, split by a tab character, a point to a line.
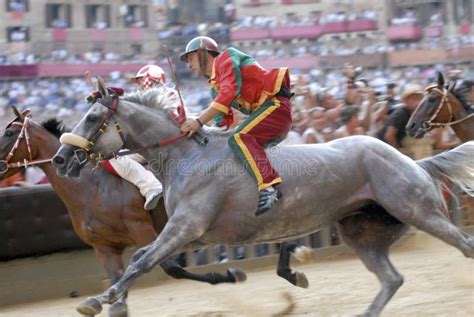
153	72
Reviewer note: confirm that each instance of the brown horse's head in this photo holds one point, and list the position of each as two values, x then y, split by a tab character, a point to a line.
13	146
437	109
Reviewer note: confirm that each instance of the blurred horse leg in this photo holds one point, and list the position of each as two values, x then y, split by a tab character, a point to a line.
370	235
112	260
283	270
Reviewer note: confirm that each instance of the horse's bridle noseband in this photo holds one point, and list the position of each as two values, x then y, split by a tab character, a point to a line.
5	165
443	92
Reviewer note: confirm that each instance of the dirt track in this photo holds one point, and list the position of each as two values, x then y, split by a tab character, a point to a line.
439	281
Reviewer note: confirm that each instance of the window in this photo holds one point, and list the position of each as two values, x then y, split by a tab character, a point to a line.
97	16
135	16
18	34
137	48
58	16
17	5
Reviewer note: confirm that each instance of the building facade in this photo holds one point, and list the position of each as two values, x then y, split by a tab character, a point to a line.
41	26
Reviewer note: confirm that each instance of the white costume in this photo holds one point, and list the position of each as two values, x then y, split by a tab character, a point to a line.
128	167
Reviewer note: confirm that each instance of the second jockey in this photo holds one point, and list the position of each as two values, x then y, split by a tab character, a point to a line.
128	167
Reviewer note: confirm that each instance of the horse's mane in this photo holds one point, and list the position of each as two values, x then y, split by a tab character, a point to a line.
159	98
164	99
55	127
461	93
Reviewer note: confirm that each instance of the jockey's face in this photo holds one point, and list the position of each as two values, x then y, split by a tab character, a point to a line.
141	83
145	83
192	61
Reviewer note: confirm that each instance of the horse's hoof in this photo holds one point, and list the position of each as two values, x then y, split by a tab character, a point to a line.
90	306
303	254
118	309
301	280
239	275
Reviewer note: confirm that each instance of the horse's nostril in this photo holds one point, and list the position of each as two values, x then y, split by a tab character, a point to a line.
59	160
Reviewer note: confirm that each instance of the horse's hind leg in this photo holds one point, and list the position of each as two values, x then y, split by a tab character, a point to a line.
370	235
298	279
427	215
173	269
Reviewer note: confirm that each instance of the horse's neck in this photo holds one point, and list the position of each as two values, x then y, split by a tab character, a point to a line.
465	129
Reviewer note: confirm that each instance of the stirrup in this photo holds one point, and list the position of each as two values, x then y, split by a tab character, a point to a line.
267	200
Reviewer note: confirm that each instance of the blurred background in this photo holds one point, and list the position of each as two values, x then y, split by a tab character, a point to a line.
351	62
47	45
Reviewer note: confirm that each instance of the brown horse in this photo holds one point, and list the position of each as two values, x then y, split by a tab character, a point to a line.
106	212
443	106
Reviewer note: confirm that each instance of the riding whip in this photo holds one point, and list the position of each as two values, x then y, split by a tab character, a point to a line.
181	117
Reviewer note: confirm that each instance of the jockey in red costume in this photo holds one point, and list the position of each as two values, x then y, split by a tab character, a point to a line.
238	81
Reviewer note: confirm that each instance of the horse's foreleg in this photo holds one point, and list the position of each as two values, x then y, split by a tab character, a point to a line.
370	236
175	235
173	269
284	270
112	260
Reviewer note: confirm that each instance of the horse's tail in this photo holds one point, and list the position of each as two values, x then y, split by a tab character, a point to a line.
456	165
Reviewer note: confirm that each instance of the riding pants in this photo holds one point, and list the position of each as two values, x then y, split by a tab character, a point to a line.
132	171
267	125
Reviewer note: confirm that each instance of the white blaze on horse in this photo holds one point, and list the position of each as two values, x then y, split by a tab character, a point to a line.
359	182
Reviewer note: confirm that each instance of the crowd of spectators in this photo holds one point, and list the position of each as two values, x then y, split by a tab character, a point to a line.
315	90
265	21
329	105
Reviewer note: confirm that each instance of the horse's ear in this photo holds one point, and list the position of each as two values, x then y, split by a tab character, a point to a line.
17	113
102	88
440	80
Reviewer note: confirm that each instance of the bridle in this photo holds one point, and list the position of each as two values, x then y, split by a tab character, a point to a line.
83	154
443	93
5	165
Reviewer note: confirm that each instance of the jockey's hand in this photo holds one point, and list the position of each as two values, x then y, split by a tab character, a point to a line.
190	127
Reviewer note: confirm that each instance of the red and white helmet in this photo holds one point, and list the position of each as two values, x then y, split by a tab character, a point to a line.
151	73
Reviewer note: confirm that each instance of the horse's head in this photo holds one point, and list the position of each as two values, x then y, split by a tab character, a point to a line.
15	144
94	135
436	109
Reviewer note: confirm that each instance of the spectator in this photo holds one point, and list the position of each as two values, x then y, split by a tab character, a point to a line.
351	123
318	130
393	131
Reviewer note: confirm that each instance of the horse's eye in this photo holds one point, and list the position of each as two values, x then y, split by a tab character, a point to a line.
8	133
92	118
432	99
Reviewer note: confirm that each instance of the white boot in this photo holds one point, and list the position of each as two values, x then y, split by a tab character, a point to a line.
135	173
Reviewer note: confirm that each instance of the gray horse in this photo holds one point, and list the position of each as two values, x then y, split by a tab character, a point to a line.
210	198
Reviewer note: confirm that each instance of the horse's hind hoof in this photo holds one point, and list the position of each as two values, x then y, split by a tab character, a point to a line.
90	306
238	275
303	254
301	280
118	309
